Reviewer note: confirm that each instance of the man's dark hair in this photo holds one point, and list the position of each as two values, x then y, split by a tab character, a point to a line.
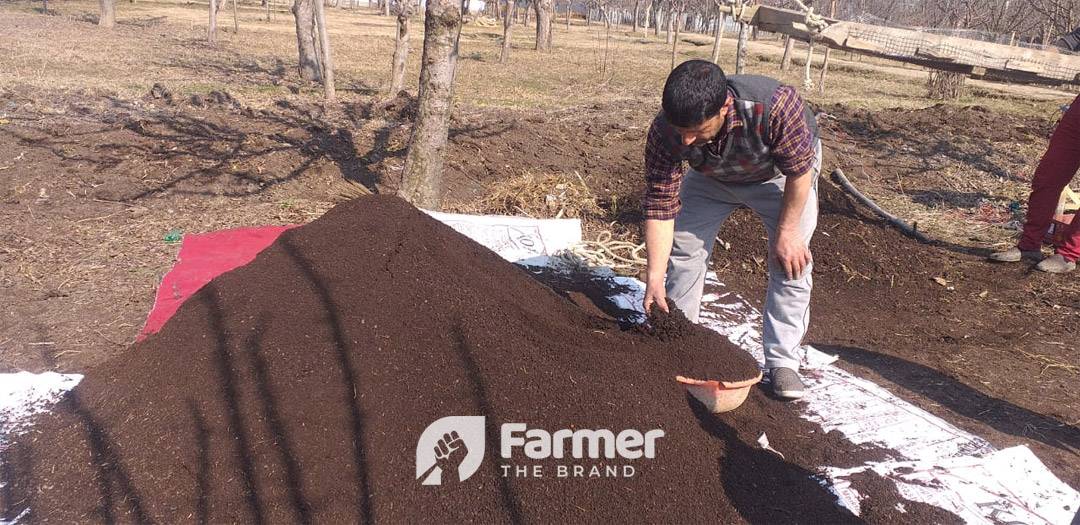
695	91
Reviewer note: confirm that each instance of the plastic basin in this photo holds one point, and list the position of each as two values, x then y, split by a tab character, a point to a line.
719	396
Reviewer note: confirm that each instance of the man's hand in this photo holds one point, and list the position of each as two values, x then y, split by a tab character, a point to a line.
791	254
659	235
655	294
789	248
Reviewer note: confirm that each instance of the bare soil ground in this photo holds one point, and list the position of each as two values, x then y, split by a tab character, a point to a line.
95	169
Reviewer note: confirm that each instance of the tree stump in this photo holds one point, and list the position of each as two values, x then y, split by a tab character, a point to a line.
945	85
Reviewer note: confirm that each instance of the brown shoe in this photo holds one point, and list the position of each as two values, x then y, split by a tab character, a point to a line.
1056	264
1015	254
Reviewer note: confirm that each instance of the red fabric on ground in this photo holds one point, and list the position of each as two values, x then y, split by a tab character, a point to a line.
202	257
1056	169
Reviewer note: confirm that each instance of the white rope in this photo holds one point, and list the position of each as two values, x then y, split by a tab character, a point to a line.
621	256
815	24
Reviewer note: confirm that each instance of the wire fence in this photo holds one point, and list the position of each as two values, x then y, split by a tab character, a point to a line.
918	46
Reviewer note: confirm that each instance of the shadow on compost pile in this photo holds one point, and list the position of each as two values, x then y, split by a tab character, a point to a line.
294	389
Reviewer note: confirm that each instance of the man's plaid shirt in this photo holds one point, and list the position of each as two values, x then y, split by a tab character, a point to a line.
792	149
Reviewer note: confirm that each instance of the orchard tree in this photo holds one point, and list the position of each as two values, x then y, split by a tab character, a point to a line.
422	177
107	18
404	10
307	40
508	25
543	24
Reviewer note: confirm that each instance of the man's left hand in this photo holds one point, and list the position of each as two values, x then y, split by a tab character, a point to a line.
792	254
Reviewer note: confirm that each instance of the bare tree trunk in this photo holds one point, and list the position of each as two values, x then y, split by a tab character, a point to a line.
543	24
401	48
266	3
785	62
740	51
551	22
306	39
324	55
211	30
422	180
568	15
107	18
386	8
637	12
235	19
508	25
648	13
497	11
670	21
718	38
675	41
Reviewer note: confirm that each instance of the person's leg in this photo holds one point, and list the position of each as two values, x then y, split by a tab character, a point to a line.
1055	170
705	205
787	301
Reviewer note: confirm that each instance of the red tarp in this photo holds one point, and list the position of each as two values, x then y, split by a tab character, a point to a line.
202	257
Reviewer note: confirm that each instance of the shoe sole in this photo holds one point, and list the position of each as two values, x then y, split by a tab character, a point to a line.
1056	270
1026	256
790	394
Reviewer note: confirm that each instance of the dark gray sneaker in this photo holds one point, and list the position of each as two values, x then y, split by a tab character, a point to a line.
786	383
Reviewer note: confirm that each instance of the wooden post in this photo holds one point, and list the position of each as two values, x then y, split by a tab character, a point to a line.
785	62
719	37
828	51
824	70
740	50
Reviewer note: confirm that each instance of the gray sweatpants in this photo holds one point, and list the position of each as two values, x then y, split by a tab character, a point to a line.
706	203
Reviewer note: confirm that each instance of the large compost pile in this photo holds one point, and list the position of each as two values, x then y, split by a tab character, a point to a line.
295	389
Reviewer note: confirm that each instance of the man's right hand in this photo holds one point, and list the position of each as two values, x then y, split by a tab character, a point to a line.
658	239
655	294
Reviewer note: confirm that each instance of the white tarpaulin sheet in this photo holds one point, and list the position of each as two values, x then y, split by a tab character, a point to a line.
943	465
24	394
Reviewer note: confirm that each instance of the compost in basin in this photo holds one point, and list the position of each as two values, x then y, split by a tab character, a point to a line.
294	389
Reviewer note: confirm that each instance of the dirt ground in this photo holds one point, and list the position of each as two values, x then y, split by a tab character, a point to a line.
97	169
